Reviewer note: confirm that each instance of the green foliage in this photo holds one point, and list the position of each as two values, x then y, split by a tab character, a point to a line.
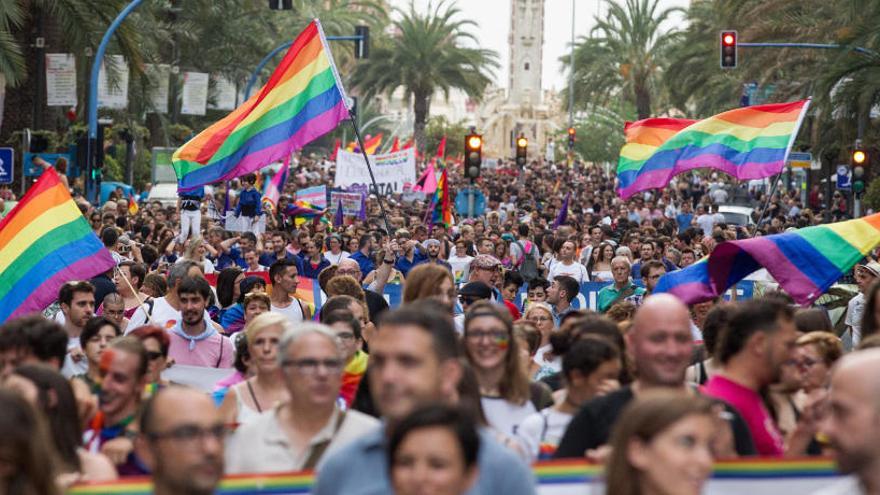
438	127
872	195
600	134
426	55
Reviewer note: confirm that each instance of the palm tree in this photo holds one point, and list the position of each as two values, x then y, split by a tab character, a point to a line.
426	55
624	55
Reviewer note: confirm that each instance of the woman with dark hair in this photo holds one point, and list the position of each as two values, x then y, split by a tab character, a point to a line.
599	265
433	450
590	368
713	326
29	463
227	287
48	391
662	444
95	337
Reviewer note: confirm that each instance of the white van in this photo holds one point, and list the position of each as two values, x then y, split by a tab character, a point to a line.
163	192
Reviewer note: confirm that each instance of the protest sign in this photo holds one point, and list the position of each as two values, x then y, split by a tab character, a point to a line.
392	170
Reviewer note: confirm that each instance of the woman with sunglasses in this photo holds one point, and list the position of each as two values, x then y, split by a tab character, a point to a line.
155	340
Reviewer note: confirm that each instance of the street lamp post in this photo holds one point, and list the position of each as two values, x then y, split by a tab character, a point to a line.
93	97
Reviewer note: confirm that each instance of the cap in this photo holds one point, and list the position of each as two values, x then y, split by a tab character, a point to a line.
873	268
485	261
476	290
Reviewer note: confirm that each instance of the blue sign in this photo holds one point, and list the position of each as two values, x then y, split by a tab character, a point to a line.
7	165
31	169
461	202
843	178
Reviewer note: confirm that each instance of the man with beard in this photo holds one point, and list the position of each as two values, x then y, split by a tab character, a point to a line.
181	441
112	429
432	249
194	341
77	300
852	423
759	339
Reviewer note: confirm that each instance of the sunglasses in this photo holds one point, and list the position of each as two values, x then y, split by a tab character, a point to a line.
154	355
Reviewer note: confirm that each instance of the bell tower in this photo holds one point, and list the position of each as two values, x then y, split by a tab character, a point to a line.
526	43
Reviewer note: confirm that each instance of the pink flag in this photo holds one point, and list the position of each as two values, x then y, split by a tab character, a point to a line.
275	186
427	183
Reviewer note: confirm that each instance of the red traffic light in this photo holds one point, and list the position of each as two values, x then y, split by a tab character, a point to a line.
728	39
571	131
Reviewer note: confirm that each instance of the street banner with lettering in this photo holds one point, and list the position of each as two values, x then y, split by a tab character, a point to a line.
392	170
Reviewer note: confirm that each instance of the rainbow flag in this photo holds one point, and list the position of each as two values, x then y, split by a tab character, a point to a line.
441	211
806	262
313	197
44	243
371	144
745	143
275	186
303	100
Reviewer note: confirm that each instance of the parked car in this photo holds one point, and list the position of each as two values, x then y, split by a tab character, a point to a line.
737	215
164	192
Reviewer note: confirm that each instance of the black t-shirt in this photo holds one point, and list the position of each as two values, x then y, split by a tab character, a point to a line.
591	426
376	304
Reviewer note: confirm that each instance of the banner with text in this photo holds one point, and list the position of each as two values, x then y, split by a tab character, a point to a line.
60	80
195	93
351	202
392	170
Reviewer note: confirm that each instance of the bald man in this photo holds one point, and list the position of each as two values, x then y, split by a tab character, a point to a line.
852	423
660	344
181	441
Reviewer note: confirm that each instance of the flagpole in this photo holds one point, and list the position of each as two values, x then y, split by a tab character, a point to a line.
767	202
360	141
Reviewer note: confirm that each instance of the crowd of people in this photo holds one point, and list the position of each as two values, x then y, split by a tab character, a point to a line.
486	364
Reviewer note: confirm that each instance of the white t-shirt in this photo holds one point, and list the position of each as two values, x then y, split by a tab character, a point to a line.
707	223
555	363
293	311
460	267
855	308
574	270
541	432
163	315
335	259
71	368
504	416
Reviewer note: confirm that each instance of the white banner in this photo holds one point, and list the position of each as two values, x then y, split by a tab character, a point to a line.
198	377
392	170
195	93
223	96
60	80
351	202
159	81
113	95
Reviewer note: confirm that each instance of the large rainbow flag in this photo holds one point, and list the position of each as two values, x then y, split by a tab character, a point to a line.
806	262
44	243
303	100
745	143
441	210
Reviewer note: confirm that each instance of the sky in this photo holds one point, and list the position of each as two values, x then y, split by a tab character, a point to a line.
493	17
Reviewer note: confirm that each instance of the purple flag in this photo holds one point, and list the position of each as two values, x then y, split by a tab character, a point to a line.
362	215
338	218
563	212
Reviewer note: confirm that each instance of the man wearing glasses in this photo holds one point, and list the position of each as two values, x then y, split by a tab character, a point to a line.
296	435
651	271
181	440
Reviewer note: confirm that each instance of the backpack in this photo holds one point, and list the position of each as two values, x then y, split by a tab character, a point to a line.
528	265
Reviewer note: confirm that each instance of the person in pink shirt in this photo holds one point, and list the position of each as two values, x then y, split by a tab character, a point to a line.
194	341
759	338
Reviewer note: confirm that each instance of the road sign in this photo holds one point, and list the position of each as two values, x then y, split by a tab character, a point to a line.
799	160
31	169
7	165
843	178
461	202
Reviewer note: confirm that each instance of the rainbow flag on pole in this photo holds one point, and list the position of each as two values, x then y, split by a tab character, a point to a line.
441	210
44	243
745	143
303	100
806	262
275	186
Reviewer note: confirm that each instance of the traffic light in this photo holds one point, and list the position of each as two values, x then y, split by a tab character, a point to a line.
281	4
362	45
859	161
522	150
473	153
728	49
572	133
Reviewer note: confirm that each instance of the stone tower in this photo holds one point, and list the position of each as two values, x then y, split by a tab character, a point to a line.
526	43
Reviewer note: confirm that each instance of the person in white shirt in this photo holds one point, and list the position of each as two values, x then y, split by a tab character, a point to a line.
77	300
335	254
705	221
299	433
285	279
165	311
855	308
460	261
567	266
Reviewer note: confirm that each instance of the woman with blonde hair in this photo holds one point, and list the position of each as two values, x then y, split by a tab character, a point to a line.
266	388
194	251
541	315
662	444
430	281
